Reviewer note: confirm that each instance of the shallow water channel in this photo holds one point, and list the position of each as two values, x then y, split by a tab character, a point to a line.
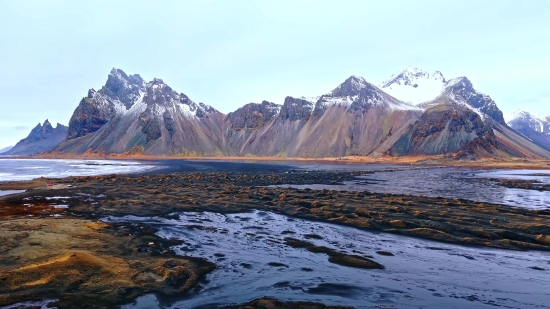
450	182
254	262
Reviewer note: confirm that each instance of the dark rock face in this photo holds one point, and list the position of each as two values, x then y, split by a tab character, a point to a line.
461	89
295	109
88	118
169	123
122	87
120	92
252	115
42	138
150	126
447	128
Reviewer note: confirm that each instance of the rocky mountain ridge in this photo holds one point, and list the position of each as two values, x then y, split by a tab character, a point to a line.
129	115
42	138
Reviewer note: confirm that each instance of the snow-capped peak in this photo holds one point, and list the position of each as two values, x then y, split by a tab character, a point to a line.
351	86
521	118
414	85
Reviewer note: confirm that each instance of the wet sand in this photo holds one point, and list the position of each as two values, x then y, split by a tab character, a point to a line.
43	239
486	163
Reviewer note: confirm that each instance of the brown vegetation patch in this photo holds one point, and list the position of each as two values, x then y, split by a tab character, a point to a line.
87	263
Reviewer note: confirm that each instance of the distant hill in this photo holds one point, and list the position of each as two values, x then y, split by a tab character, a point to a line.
534	127
42	138
5	149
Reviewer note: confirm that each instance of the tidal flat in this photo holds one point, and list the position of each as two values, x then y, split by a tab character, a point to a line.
120	260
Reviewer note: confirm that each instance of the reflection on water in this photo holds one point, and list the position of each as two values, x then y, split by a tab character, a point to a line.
542	176
27	169
8	192
422	274
445	182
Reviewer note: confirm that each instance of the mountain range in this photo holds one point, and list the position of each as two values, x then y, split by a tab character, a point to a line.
412	113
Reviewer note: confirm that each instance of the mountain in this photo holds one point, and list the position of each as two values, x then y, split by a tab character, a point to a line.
131	115
354	118
413	113
5	149
42	138
447	127
458	119
534	127
416	86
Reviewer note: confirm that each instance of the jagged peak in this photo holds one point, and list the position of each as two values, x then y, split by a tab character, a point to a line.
357	81
461	81
118	73
265	102
353	85
47	123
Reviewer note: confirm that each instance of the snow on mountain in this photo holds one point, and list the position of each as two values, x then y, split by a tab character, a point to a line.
130	95
356	92
421	88
538	123
414	85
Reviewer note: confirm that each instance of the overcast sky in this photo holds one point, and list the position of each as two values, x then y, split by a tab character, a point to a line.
229	53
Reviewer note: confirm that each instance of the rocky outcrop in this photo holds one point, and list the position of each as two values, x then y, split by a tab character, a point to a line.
461	90
448	128
252	115
296	109
119	94
42	138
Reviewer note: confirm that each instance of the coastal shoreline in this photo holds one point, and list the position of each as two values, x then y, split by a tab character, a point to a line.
433	160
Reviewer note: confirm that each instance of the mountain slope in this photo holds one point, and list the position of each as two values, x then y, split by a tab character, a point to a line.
449	124
535	128
354	118
448	127
129	115
42	138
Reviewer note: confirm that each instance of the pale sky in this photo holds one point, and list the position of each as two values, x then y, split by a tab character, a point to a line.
229	53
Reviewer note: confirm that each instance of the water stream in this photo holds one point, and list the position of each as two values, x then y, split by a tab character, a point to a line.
421	274
450	183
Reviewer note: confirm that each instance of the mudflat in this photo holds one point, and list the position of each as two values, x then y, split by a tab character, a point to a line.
66	253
